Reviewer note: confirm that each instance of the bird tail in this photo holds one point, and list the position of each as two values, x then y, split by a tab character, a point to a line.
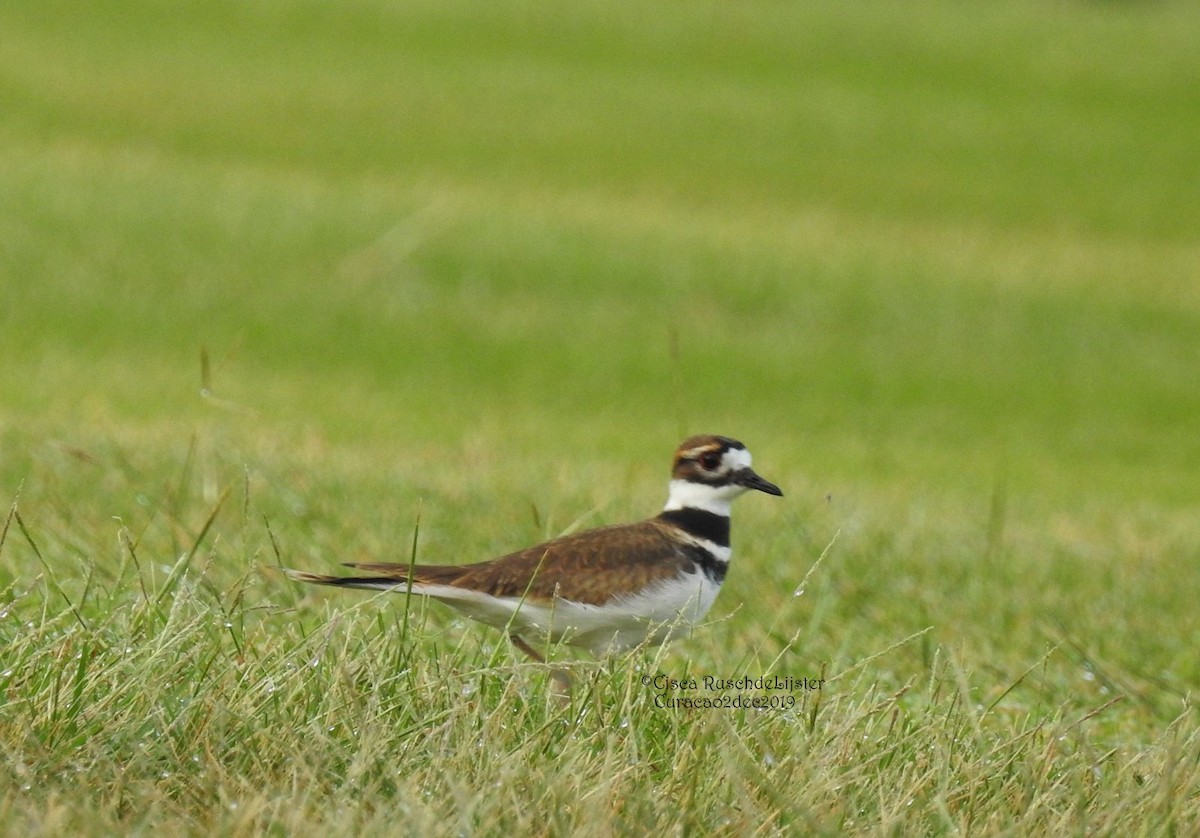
375	583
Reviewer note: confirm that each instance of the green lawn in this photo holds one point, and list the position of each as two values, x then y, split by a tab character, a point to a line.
278	280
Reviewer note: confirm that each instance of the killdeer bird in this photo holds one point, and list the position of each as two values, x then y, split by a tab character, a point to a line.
604	589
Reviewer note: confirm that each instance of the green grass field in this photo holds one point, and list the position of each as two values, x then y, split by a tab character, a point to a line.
293	283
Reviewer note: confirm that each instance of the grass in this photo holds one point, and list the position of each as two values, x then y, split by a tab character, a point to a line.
278	280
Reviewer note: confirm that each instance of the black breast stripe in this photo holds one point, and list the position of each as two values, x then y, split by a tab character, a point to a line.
700	523
709	564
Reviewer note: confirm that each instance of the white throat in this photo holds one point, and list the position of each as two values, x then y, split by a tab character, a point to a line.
684	494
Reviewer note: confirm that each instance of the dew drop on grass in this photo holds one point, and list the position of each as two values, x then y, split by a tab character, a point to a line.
798	592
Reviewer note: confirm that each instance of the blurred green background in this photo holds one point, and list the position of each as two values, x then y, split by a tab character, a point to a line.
933	262
890	244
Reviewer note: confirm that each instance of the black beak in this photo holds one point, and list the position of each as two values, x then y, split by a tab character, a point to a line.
747	477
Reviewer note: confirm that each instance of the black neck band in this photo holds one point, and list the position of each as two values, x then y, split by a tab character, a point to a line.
701	523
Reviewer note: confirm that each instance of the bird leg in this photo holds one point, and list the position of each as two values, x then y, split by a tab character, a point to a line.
560	677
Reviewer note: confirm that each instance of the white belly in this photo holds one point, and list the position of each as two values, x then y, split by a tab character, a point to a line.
621	623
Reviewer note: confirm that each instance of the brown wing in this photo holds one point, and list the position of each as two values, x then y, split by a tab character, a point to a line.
589	567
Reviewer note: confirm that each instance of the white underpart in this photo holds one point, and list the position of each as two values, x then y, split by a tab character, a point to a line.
685	494
621	623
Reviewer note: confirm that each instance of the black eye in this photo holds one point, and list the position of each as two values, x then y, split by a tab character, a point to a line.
710	461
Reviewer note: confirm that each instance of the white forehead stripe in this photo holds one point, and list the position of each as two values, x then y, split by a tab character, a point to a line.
737	458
